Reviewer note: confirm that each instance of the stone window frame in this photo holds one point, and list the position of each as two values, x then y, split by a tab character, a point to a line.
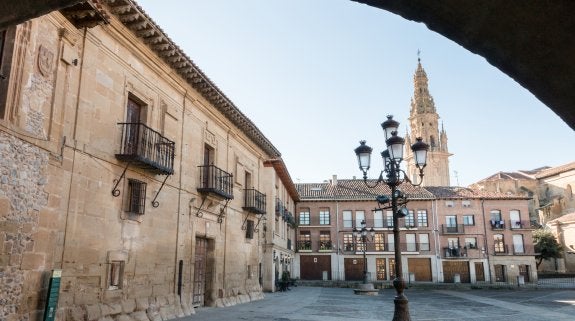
249	229
12	57
116	265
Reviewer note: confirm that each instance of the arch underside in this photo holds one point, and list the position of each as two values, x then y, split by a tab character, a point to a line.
531	41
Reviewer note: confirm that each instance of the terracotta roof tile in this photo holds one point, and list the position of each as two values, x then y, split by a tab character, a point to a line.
469	193
555	170
355	189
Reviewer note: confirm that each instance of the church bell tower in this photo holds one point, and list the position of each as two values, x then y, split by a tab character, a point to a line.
424	122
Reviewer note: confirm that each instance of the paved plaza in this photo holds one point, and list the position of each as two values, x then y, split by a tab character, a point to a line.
339	304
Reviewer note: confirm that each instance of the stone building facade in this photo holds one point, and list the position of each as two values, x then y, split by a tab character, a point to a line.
124	167
551	189
278	232
424	123
449	231
563	228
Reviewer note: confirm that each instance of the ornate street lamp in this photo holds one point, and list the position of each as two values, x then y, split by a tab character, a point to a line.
394	176
363	232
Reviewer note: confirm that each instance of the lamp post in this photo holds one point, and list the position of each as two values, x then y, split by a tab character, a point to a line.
363	232
394	176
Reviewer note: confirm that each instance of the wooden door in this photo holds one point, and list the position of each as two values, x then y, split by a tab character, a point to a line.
450	268
353	269
524	270
499	272
421	268
313	266
479	272
200	263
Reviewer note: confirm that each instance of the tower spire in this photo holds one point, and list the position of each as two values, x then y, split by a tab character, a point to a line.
424	122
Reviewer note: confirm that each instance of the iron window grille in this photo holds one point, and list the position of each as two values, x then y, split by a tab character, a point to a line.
136	197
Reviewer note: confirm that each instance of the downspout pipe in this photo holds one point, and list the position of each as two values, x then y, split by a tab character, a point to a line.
485	241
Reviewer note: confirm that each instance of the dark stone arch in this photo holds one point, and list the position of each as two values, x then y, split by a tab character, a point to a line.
531	41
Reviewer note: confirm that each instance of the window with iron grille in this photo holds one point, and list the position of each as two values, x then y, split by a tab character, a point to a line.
249	229
136	197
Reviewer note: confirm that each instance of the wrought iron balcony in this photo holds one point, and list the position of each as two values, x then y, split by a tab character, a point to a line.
501	249
523	249
452	229
325	246
280	208
497	225
454	252
214	180
146	148
304	246
520	225
385	247
254	201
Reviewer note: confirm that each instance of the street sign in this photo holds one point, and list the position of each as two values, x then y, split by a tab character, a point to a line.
53	292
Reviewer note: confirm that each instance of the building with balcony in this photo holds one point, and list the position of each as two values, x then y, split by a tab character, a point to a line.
450	234
278	232
128	171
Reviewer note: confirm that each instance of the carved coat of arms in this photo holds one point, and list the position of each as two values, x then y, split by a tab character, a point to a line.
45	61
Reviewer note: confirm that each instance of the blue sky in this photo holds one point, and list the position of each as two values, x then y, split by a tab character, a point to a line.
318	76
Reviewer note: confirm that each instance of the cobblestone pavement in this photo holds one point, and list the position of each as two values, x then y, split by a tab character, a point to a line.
338	304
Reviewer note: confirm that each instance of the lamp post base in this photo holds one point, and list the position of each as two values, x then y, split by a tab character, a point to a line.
366	289
401	312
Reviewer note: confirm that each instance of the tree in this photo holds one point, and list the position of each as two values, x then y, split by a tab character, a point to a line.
546	246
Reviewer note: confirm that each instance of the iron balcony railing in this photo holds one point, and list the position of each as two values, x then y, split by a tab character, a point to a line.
382	223
386	247
254	201
280	208
146	148
216	181
454	252
519	225
497	224
452	229
501	249
325	246
304	246
523	249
